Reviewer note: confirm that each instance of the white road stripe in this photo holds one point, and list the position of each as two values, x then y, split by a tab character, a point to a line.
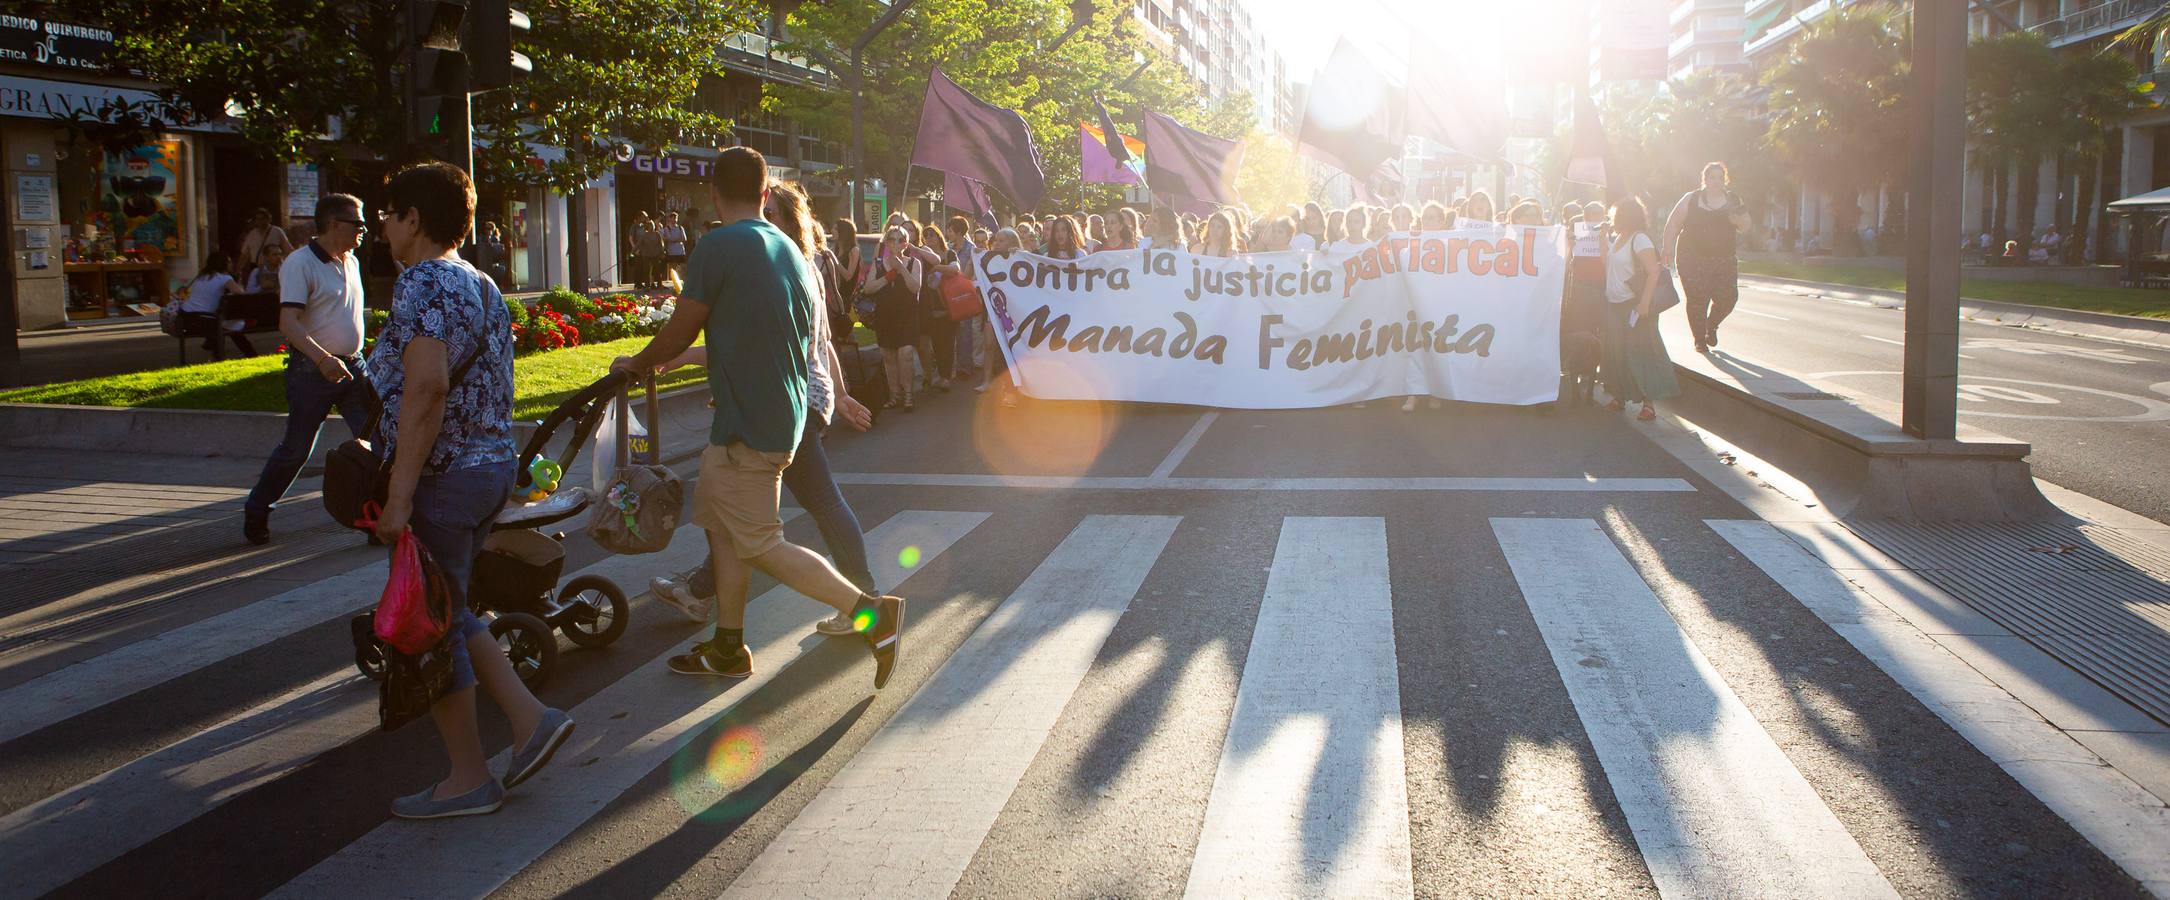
1883	340
2123	820
92	683
73	832
1758	312
1184	446
1311	799
634	726
1716	808
1584	484
906	814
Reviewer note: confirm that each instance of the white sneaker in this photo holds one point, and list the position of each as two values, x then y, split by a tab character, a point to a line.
679	597
835	625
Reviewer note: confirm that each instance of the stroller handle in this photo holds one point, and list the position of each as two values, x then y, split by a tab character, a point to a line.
585	407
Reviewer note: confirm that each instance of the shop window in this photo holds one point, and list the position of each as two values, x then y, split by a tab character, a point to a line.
123	216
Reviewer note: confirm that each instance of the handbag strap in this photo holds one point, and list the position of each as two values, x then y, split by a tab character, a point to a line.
459	372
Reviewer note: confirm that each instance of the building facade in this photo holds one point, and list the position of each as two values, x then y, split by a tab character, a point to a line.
1706	37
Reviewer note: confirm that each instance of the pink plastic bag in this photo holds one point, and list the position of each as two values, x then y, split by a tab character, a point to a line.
413	614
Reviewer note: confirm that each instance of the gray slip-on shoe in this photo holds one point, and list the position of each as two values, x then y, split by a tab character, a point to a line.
550	734
480	801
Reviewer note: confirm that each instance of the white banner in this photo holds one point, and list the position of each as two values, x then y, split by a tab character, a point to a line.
1471	314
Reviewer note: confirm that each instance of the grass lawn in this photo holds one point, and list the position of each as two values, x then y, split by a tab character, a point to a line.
2154	304
541	382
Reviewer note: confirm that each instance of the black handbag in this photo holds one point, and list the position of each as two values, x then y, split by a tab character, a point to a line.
356	479
412	684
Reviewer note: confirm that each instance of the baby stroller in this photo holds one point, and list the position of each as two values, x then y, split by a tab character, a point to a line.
520	564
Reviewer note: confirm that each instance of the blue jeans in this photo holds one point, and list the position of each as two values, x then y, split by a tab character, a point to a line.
452	514
309	401
814	488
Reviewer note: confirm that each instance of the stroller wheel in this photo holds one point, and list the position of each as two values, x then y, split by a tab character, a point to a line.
528	644
594	610
368	653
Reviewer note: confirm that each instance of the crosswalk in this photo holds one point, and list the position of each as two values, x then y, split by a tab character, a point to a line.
1307	785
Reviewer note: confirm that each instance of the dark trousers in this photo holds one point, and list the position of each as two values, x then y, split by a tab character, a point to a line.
1709	288
309	401
813	487
943	360
208	327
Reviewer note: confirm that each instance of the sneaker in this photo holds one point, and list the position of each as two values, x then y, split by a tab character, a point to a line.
550	734
257	529
703	659
679	597
839	624
478	802
882	624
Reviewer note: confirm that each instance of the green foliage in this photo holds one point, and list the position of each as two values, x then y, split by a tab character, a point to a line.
518	311
1006	54
256	384
2154	304
605	70
1838	105
566	302
1272	177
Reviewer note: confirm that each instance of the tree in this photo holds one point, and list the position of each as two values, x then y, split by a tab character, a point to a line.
1271	177
1837	99
1004	53
321	80
2026	103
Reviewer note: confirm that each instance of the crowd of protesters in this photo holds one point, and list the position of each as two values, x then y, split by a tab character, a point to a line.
770	303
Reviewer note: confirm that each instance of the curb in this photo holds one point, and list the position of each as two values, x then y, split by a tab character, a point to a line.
2070	322
219	433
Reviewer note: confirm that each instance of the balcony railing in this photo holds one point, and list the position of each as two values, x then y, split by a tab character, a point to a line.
2095	20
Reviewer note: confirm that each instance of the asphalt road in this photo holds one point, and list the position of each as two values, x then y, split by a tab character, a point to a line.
2097	412
1107	692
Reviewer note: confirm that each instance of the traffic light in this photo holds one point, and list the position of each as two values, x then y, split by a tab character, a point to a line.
494	30
438	76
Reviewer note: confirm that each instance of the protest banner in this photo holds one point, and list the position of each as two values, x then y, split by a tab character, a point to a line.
1471	314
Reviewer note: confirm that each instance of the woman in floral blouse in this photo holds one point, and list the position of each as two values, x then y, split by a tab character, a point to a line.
443	366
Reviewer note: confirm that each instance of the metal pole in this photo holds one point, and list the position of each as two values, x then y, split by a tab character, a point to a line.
1937	91
858	102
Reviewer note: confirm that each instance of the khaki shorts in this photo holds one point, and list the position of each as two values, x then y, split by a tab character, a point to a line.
738	494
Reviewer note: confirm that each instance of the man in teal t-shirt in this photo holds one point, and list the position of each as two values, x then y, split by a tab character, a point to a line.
757	288
754	294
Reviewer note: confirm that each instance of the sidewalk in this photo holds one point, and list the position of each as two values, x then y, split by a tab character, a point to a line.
134	345
2071	615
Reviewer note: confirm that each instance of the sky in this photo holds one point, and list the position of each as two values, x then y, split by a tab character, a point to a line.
1304	32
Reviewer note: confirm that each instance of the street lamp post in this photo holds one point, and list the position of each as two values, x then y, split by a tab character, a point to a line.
858	102
1937	90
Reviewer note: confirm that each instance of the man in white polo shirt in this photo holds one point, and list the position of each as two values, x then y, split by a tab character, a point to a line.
320	315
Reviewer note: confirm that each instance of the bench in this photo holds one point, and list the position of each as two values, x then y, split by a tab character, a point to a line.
258	313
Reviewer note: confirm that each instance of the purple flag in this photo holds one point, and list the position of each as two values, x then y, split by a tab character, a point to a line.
1449	105
1190	163
967	196
1097	165
963	135
1353	116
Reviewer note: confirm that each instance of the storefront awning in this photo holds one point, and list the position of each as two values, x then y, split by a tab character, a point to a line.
2155	201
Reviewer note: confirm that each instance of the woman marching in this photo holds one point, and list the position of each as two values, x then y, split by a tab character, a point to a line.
1635	364
1704	225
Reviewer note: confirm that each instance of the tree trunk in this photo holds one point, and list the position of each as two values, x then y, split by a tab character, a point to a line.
1989	191
2092	238
2061	213
2029	191
1999	209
